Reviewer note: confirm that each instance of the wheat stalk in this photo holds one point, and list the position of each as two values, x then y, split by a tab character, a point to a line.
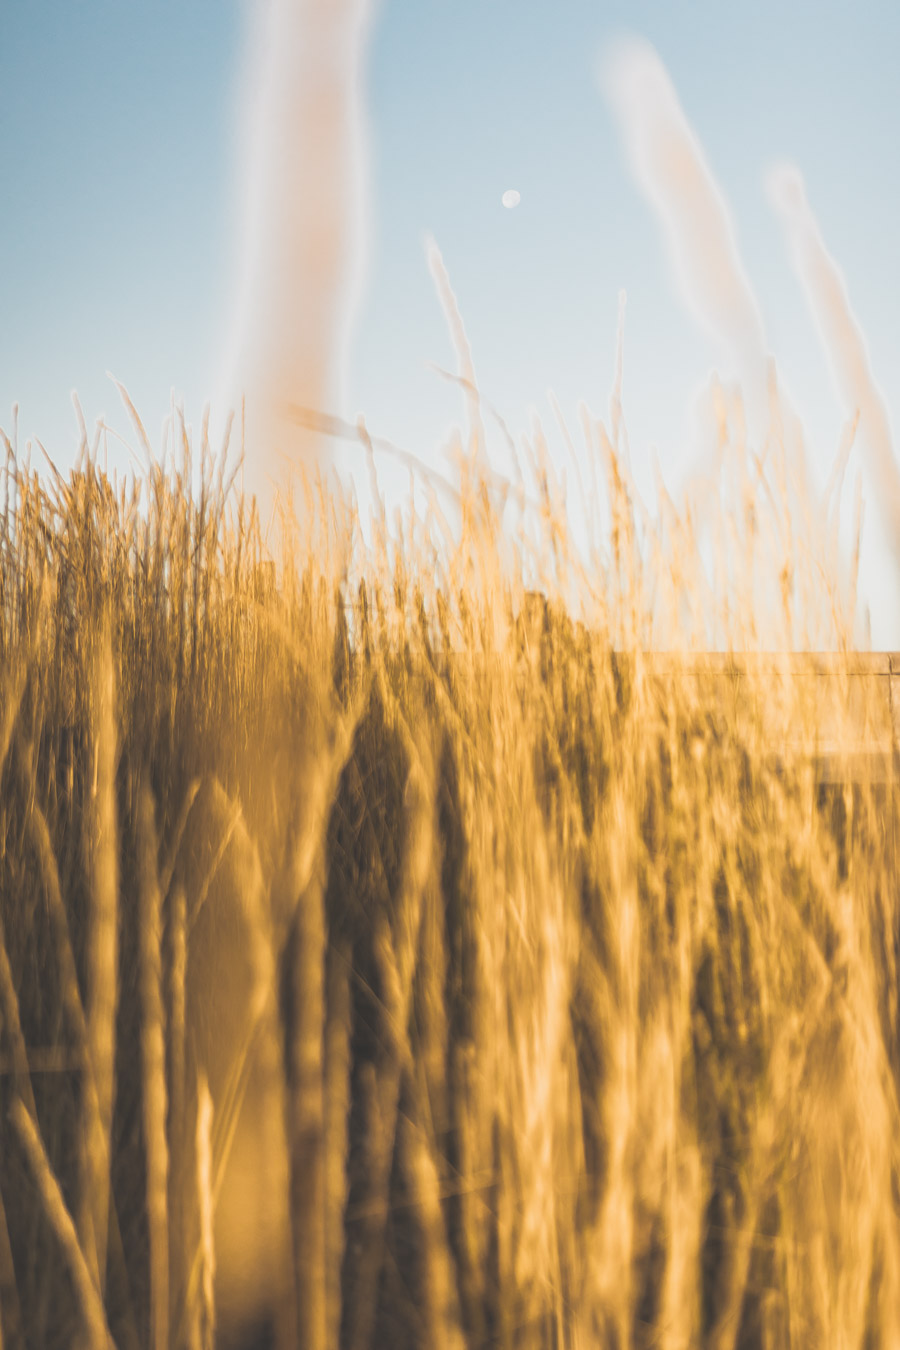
153	1042
86	1292
102	938
205	1306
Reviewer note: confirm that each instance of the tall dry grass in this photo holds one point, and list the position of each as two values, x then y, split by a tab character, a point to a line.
417	940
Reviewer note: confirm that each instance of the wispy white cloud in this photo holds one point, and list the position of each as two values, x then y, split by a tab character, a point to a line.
842	339
669	165
302	189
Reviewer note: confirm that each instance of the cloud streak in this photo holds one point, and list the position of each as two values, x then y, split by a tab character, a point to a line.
302	206
669	166
842	340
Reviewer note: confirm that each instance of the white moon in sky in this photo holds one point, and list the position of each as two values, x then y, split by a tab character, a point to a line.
511	198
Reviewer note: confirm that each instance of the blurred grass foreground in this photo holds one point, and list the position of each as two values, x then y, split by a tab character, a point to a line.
415	940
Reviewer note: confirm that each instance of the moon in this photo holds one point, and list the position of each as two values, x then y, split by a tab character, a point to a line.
511	199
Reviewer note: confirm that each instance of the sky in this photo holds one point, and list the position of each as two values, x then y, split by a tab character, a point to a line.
119	135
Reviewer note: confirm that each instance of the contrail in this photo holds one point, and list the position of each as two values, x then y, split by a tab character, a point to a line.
842	339
302	228
669	165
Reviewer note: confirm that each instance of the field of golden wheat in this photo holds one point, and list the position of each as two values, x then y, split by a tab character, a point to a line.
409	937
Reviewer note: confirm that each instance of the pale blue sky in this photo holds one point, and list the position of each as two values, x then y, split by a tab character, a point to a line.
116	132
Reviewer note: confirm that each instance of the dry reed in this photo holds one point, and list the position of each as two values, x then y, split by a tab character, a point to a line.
204	1312
88	1295
153	1055
101	846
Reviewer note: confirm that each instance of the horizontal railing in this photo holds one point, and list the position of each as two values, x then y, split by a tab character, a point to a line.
851	702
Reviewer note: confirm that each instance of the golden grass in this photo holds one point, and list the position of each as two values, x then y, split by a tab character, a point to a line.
153	1057
101	844
396	948
54	1207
